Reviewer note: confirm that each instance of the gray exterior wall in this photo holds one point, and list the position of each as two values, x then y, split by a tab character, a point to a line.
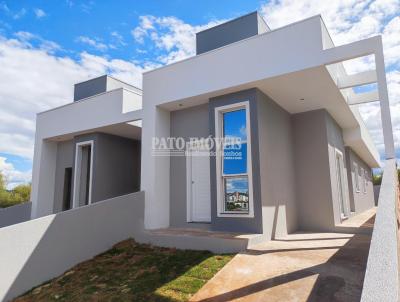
15	214
335	142
230	32
312	171
116	165
89	88
238	224
277	174
186	123
359	201
317	136
65	159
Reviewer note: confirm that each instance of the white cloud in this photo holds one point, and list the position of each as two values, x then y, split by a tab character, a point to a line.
12	176
39	13
19	14
171	35
92	42
349	21
33	80
117	40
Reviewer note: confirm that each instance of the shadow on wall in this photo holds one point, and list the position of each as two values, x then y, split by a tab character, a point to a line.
277	222
15	214
49	245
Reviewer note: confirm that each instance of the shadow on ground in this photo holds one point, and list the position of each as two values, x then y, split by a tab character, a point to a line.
337	276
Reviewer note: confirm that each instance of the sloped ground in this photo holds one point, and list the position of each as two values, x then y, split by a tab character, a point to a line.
133	272
298	267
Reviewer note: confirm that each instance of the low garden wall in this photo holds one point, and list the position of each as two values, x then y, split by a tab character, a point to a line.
381	282
35	251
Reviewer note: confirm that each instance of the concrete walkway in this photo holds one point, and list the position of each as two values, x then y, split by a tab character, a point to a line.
298	267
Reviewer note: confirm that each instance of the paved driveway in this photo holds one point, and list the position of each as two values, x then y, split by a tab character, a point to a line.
298	267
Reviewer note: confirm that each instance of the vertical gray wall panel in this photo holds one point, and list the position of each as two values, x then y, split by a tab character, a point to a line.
361	200
240	224
230	32
186	123
313	183
116	167
99	85
277	174
335	141
65	159
89	88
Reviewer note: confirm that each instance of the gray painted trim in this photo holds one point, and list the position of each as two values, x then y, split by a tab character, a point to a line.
108	152
100	85
186	123
229	32
240	224
277	168
312	166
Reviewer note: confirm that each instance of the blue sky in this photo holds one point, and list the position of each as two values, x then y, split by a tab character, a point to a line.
64	22
47	46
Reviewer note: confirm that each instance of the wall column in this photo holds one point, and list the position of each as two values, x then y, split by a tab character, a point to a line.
155	170
43	179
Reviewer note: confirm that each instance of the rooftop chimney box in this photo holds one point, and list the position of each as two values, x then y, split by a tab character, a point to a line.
99	85
229	32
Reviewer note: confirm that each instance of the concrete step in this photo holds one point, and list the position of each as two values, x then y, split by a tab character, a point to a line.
197	239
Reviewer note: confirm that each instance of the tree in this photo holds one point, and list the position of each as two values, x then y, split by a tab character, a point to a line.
22	192
19	194
377	179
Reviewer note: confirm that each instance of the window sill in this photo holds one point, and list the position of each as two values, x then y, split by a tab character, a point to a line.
235	215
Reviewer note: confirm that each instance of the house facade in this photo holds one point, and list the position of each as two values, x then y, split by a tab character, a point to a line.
268	137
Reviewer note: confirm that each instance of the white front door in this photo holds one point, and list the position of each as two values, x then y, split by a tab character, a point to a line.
198	184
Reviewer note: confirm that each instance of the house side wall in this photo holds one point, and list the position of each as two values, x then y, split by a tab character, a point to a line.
238	224
117	167
277	174
312	171
360	201
335	142
65	159
185	123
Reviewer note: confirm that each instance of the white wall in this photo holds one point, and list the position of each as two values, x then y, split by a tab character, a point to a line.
155	169
35	251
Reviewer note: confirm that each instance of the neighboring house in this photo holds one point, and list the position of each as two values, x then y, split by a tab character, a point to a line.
305	154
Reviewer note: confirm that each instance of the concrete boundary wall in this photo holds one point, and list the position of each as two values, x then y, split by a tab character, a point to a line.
35	251
381	281
15	214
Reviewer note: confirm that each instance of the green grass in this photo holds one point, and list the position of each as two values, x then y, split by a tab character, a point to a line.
133	272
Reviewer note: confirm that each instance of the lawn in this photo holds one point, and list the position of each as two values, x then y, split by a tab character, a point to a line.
133	272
